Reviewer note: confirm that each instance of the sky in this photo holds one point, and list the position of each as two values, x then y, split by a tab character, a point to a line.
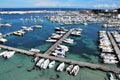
101	4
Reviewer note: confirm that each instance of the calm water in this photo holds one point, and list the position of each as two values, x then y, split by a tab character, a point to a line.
86	44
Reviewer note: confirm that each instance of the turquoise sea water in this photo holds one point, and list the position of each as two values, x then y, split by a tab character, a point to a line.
16	67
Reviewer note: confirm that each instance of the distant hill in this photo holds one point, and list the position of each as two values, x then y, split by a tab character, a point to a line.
104	11
118	10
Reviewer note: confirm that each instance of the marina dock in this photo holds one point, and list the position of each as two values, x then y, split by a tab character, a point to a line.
7	34
115	46
69	61
58	42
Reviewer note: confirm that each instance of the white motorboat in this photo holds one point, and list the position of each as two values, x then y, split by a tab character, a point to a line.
34	50
52	64
40	62
68	40
24	27
61	66
51	40
3	40
45	64
38	26
2	53
110	61
36	59
69	68
9	54
63	47
75	70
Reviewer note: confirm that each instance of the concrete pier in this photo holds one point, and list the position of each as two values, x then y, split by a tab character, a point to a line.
115	46
52	48
69	61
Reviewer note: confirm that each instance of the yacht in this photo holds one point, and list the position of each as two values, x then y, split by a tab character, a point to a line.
75	70
9	54
24	27
7	24
38	26
68	40
110	61
40	62
3	40
51	40
52	64
60	32
61	66
45	64
29	29
69	68
63	47
60	29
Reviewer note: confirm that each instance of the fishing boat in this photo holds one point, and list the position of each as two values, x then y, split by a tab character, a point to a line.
61	67
75	70
52	64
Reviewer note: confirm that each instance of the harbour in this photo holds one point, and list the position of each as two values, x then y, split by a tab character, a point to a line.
39	42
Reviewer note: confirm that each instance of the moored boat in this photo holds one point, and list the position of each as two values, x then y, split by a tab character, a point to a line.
69	68
40	62
52	64
75	70
45	64
61	67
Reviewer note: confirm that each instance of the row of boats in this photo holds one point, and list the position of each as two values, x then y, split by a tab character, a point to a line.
106	48
112	76
57	35
60	31
116	36
44	64
32	19
75	17
25	28
7	54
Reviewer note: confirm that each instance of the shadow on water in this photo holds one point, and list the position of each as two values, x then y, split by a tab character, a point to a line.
86	56
54	77
118	65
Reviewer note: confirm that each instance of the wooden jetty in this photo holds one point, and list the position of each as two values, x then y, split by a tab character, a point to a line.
52	48
115	46
69	61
